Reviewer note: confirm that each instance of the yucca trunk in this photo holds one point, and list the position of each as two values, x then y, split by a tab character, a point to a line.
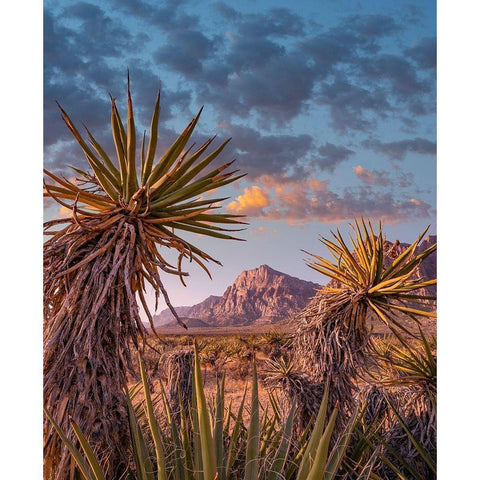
90	318
179	374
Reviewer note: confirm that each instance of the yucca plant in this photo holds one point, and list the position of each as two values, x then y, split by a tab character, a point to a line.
407	376
275	343
332	339
283	375
125	214
220	444
406	364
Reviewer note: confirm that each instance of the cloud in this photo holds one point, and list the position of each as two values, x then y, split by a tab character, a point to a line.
328	49
226	11
64	212
250	203
277	21
372	25
259	231
276	155
350	104
184	51
272	67
167	17
405	179
310	200
373	177
331	155
247	52
397	150
101	34
277	89
424	53
397	71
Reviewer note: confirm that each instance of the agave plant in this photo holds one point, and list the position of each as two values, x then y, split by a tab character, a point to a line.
332	340
124	215
216	443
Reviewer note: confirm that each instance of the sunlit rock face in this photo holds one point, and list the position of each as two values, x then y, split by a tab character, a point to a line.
261	295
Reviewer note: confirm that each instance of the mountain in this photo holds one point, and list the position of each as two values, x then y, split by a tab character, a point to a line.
265	296
259	296
189	322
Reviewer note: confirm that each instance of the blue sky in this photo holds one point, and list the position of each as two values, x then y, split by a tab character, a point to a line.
331	106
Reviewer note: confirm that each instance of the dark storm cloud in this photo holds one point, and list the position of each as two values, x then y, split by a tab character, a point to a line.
424	53
331	155
398	150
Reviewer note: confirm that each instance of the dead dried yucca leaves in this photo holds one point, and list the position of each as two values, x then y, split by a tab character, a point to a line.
332	339
109	249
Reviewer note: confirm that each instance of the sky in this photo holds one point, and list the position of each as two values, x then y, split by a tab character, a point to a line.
331	107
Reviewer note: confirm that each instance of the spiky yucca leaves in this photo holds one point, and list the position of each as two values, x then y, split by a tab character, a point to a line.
281	374
103	257
332	339
406	364
407	377
275	343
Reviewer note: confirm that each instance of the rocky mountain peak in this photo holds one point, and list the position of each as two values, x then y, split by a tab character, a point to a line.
259	295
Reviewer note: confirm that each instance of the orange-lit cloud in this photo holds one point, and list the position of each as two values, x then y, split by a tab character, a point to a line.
300	201
372	177
252	202
64	212
256	232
